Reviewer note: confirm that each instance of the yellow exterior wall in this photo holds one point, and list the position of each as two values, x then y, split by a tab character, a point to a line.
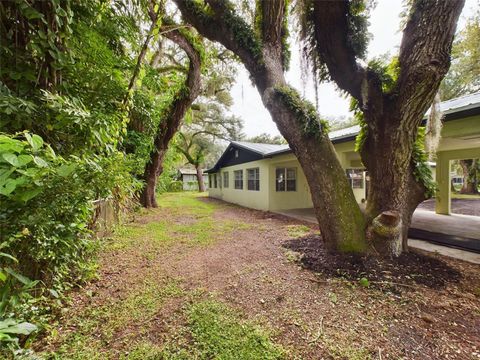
454	137
268	198
248	198
283	200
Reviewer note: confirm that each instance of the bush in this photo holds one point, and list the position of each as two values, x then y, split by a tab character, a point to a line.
45	219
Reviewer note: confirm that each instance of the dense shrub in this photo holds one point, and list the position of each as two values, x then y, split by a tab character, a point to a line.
45	219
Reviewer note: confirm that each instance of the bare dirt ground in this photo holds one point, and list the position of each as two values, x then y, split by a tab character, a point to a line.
459	206
274	271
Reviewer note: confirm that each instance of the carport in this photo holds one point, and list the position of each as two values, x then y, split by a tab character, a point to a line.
460	140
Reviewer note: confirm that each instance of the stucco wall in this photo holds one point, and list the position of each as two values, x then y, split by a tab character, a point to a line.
281	200
248	198
269	199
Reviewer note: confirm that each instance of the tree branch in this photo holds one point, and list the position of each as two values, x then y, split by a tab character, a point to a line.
272	13
224	26
425	51
331	40
154	17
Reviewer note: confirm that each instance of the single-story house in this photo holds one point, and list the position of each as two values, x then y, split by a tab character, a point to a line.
188	177
269	177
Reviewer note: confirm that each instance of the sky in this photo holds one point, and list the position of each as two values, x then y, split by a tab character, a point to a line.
384	25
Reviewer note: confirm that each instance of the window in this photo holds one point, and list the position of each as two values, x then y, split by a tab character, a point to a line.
286	179
215	184
355	177
225	179
238	175
253	179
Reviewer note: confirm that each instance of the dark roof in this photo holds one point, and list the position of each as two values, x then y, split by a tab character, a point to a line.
460	107
188	171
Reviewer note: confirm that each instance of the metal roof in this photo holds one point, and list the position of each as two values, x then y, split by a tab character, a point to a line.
342	133
452	106
274	149
188	171
461	103
262	149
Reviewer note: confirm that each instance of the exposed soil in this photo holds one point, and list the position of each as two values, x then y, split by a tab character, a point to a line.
423	306
458	206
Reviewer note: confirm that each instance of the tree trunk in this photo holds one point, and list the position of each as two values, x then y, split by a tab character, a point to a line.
168	127
152	171
201	184
340	219
391	113
470	180
394	190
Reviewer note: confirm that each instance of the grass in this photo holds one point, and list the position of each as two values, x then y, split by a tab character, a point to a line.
218	332
199	229
96	327
212	330
297	231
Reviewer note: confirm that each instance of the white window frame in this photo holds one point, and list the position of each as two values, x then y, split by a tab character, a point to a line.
356	182
226	180
235	180
285	178
256	179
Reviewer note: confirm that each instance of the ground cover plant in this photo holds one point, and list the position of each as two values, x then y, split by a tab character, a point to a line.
166	292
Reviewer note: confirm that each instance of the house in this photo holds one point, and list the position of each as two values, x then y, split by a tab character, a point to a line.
269	177
188	177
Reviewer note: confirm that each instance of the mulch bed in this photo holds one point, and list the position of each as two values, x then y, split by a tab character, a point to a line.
408	270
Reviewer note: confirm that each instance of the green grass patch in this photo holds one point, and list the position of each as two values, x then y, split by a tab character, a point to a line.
97	326
296	231
218	332
131	235
200	228
186	203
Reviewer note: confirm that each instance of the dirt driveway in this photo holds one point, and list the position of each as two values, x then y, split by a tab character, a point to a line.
201	279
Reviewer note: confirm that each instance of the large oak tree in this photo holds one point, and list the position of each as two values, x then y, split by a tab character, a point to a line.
392	107
392	100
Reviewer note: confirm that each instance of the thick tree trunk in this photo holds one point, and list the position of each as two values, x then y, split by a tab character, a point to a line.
394	191
391	114
173	118
152	171
201	184
470	181
341	221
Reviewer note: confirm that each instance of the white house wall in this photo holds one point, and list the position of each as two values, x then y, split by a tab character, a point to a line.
248	198
283	200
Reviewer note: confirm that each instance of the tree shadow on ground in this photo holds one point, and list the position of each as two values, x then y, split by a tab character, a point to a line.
406	272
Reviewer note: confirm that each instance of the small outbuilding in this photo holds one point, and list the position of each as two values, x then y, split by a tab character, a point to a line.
188	177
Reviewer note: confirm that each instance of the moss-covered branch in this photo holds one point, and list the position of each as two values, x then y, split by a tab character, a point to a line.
305	112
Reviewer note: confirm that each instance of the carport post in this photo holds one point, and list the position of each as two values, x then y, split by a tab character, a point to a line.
442	198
